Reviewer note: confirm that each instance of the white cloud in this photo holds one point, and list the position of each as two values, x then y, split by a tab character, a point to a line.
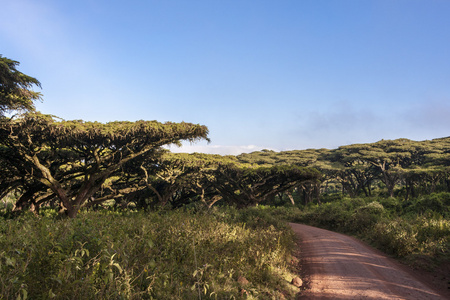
216	149
339	124
344	123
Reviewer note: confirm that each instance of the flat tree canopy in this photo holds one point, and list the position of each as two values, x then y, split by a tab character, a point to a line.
73	159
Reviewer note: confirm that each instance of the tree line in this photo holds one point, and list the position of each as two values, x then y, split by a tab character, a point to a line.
400	167
75	164
48	161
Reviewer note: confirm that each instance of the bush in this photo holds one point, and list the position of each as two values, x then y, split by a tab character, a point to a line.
433	236
365	217
438	204
395	237
392	205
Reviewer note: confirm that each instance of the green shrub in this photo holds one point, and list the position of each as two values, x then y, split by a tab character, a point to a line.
392	205
395	237
433	236
365	217
438	204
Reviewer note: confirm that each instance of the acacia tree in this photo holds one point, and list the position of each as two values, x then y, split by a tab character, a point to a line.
417	167
171	178
245	185
15	88
181	177
439	159
14	178
386	159
73	159
167	179
353	172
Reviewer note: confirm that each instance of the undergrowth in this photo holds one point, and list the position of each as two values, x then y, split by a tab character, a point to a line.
135	255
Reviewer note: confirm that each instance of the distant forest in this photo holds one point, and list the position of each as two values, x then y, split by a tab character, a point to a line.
399	167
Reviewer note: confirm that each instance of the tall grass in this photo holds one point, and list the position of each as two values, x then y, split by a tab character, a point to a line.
136	255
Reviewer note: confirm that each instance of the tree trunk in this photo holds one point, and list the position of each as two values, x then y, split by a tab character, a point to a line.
71	213
288	193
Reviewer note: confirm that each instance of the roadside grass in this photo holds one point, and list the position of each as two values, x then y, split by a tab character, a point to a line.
182	254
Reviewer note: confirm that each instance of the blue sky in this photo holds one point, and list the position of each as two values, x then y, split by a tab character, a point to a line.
260	74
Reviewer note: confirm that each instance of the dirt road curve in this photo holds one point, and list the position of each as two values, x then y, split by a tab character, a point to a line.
341	267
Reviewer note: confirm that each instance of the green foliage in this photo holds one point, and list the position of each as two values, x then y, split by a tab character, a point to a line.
248	185
73	161
409	238
15	87
397	166
84	164
393	206
337	215
395	237
366	216
431	204
135	255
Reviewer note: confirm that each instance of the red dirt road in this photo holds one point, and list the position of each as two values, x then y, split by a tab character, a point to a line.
341	267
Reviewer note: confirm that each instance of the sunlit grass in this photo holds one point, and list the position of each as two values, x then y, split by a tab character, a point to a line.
136	255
